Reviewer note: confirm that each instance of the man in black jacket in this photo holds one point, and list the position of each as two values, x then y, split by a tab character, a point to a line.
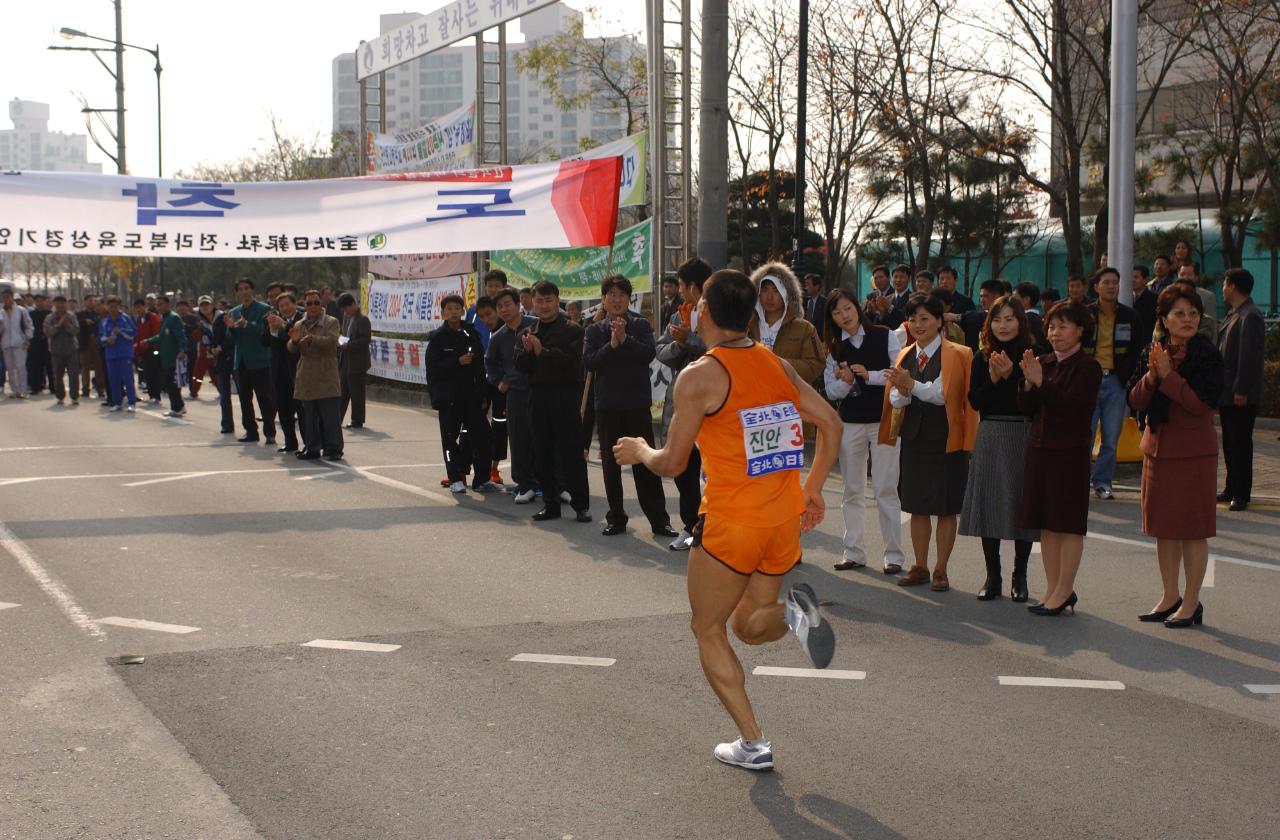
456	382
284	365
618	350
550	354
1115	342
1242	344
353	358
224	353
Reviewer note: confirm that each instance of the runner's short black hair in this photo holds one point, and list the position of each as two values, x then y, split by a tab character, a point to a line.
448	299
731	299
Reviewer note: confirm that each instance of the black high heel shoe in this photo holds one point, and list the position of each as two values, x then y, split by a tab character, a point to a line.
1196	618
1069	604
1161	615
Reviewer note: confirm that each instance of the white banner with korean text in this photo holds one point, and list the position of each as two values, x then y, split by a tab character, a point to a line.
558	205
411	306
401	359
418	266
427	33
445	145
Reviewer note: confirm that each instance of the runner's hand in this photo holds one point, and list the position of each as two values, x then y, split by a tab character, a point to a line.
814	509
628	450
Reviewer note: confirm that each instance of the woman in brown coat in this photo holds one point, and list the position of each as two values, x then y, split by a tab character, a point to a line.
1059	392
316	384
1177	384
779	322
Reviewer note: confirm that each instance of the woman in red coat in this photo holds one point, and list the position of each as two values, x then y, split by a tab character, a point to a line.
1177	384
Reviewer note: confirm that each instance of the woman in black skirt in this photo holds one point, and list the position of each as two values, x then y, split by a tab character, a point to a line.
1059	391
928	408
994	492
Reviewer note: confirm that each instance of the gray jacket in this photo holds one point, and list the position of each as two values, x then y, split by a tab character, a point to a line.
1241	343
63	333
676	356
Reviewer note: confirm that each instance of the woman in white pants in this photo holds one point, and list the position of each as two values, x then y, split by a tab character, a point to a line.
858	353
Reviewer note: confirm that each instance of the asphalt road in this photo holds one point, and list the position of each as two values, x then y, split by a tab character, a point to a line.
217	562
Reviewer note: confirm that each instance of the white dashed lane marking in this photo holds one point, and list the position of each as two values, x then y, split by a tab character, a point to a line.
165	479
1263	689
812	673
554	659
1050	682
338	644
5	605
143	624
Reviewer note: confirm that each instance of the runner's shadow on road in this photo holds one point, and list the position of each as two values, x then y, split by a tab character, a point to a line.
822	818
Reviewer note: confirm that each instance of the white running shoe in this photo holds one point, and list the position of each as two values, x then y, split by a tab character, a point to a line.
458	487
739	754
132	408
802	616
682	542
116	408
525	497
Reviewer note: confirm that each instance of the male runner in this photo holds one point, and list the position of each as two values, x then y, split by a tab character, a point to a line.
744	407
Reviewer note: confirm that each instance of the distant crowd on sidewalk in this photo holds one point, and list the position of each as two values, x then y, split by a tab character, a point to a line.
975	418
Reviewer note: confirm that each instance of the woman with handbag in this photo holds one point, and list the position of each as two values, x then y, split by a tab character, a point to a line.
1177	383
858	354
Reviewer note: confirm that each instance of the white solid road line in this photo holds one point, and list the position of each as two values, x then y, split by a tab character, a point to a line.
814	673
1236	561
390	482
1050	682
174	475
143	624
160	416
52	587
5	605
1263	689
337	644
179	477
553	659
325	474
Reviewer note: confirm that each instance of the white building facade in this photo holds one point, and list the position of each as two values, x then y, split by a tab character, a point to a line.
30	145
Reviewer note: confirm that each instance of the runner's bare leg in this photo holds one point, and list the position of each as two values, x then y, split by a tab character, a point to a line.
715	591
758	618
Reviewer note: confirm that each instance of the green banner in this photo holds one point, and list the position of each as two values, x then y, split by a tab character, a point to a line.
579	271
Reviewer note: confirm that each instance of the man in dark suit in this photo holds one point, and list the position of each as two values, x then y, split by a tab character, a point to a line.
972	322
353	358
1241	343
815	302
960	302
900	288
1144	300
1028	294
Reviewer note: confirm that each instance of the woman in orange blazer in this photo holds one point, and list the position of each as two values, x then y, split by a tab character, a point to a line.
929	393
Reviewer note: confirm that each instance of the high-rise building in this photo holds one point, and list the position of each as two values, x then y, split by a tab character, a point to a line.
436	84
30	145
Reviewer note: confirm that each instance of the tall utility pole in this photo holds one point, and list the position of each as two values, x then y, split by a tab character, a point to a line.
120	161
801	109
713	136
1120	158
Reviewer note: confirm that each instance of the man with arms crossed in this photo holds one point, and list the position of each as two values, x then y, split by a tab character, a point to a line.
744	407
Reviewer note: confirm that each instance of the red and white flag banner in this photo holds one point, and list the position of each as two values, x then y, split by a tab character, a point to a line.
569	204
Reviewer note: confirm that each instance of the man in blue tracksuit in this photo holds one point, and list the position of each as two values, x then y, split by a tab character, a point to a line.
116	332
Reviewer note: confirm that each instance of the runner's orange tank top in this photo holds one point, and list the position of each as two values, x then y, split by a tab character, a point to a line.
753	447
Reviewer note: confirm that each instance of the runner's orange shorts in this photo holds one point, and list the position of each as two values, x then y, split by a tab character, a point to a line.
746	550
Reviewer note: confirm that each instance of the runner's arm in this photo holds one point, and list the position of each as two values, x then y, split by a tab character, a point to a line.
699	389
818	411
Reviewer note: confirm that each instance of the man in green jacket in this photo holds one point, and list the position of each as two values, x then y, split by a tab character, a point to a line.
171	341
252	363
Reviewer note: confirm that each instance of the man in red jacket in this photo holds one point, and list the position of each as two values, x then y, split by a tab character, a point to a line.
144	354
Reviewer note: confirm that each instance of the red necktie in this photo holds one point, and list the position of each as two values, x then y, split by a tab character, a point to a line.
922	360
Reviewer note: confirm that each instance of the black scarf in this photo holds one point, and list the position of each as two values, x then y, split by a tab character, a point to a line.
1202	368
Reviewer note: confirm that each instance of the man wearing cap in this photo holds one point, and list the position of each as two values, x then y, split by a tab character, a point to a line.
16	330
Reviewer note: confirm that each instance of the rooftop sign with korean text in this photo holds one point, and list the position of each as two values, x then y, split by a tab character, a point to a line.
569	204
427	33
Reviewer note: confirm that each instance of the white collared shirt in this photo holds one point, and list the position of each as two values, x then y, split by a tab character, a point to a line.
837	388
930	392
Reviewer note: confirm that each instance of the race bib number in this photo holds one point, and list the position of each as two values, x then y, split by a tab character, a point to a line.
773	438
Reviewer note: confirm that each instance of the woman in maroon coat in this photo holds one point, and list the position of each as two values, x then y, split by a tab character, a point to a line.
1177	384
1059	392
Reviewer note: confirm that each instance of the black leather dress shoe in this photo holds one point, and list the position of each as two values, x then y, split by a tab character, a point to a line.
665	531
354	426
545	514
613	529
287	449
308	456
1238	504
248	439
846	565
582	516
1224	496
